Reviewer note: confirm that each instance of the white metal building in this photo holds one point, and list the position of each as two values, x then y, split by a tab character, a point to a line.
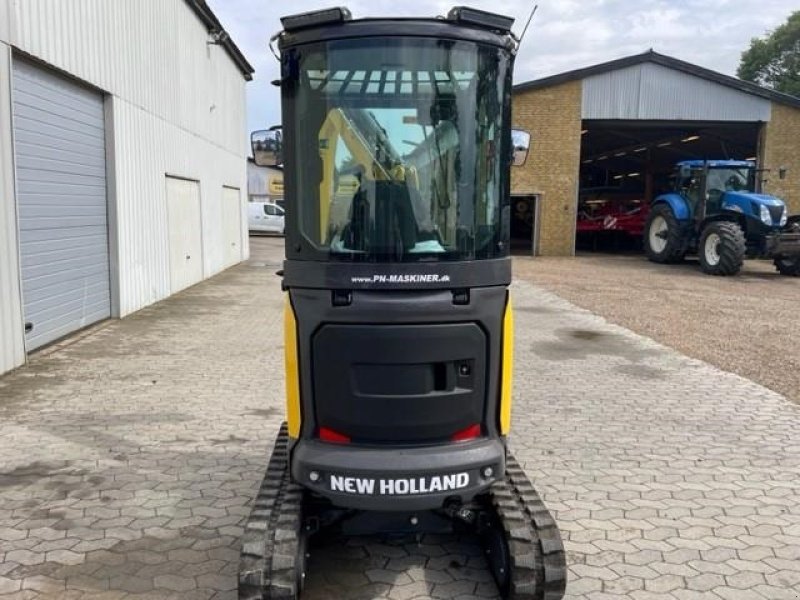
122	160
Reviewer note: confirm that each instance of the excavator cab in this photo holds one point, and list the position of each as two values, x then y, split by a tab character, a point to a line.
396	146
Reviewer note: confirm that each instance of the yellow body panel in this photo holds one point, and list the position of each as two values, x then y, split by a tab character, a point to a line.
293	416
507	375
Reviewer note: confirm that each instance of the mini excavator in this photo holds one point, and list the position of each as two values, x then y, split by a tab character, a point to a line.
396	144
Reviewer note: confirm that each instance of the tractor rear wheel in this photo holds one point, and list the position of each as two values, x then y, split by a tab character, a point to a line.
663	240
722	248
788	266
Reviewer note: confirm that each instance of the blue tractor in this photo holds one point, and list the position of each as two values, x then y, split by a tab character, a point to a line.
716	210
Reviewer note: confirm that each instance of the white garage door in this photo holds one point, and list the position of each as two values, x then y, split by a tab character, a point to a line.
232	221
185	233
59	144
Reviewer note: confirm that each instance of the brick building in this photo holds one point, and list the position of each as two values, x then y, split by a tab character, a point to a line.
622	125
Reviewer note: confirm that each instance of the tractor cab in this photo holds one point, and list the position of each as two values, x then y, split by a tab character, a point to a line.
712	188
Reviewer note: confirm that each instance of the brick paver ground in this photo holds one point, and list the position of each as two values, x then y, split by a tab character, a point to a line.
128	458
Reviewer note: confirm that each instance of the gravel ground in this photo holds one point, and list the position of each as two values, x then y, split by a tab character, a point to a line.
749	325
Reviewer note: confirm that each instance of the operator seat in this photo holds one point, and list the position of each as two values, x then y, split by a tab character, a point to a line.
382	220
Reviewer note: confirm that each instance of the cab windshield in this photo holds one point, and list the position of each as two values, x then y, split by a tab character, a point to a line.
398	149
730	179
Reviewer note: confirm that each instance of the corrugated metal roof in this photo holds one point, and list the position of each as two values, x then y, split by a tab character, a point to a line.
665	61
653	92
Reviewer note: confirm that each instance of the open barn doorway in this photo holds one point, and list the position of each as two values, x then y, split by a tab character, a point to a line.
525	224
626	164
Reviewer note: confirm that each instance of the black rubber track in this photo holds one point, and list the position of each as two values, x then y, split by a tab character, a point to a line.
788	266
732	247
537	558
269	566
675	249
270	563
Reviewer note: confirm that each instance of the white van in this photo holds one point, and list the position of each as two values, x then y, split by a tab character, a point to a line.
265	217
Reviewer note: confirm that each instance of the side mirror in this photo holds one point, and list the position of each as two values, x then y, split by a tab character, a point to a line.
521	143
782	173
267	147
685	172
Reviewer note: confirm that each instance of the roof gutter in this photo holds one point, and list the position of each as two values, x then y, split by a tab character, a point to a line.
212	23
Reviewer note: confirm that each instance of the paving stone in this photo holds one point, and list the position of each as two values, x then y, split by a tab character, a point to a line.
605	558
751	565
390	576
65	557
727	593
775	593
783	564
8	586
44	584
719	555
11	533
645	557
453	589
745	580
173	582
601	573
584	585
695	595
417	589
707	566
215	581
664	583
46	533
188	556
87	583
682	556
623	585
131	583
647	595
788	579
25	557
705	582
640	571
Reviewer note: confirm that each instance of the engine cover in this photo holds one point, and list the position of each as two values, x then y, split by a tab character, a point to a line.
399	383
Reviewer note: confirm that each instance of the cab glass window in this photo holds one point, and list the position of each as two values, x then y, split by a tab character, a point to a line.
401	150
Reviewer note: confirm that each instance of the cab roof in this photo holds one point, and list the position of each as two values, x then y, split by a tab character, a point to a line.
461	23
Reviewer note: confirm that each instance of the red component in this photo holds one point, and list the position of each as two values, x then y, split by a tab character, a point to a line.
621	213
469	433
329	435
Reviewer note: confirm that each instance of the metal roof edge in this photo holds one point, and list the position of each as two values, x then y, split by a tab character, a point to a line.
665	61
210	20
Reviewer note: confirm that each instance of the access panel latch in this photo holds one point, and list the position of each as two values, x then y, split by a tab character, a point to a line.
461	297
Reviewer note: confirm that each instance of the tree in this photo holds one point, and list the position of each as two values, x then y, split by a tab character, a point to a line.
774	61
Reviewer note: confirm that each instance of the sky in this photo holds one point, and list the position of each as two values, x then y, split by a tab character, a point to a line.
564	35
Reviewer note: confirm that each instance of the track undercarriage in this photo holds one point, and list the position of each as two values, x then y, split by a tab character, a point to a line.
520	538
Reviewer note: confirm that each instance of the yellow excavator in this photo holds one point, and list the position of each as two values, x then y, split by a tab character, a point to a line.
396	144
